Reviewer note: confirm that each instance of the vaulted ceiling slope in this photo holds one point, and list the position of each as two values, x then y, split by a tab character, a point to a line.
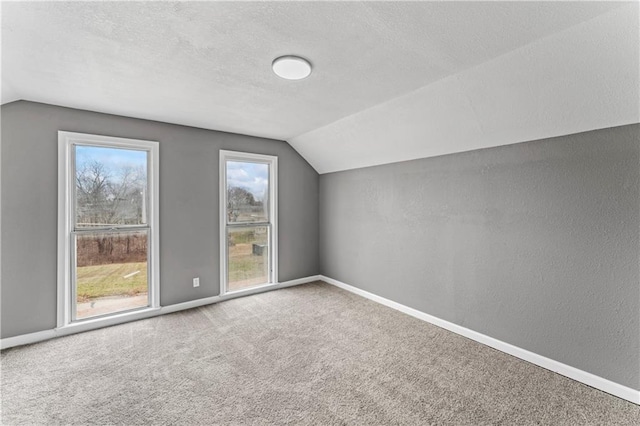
392	80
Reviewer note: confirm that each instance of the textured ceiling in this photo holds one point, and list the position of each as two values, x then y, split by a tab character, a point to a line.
584	78
381	69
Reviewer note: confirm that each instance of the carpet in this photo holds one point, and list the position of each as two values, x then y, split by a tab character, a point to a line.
311	354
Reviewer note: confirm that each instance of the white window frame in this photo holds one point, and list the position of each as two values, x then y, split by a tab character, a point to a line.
66	187
246	157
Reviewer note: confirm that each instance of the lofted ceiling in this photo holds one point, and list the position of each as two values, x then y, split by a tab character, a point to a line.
392	81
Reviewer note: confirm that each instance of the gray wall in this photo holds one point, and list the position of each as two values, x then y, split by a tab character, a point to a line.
188	207
535	244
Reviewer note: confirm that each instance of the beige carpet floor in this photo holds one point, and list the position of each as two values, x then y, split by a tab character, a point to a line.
311	354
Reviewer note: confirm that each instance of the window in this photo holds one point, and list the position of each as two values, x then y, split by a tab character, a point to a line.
107	226
248	221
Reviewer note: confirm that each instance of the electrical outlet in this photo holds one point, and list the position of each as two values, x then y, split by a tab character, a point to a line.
196	282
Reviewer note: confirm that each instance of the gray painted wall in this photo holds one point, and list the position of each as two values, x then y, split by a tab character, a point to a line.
188	207
535	244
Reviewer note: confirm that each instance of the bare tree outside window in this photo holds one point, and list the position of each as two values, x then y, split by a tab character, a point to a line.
110	195
242	205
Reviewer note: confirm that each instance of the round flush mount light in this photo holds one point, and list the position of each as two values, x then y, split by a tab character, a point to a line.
291	67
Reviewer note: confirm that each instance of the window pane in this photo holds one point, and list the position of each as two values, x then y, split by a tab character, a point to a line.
248	257
247	192
111	272
111	186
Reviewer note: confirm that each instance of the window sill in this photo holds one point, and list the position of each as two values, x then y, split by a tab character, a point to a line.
95	323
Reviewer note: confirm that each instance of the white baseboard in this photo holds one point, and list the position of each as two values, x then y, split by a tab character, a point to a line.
27	339
299	281
215	299
592	380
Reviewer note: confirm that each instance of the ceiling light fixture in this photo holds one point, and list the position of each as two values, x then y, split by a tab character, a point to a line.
291	67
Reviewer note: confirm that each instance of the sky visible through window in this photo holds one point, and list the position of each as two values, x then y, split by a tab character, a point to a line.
111	158
254	177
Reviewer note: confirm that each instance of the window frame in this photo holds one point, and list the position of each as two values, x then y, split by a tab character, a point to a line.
66	224
272	223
